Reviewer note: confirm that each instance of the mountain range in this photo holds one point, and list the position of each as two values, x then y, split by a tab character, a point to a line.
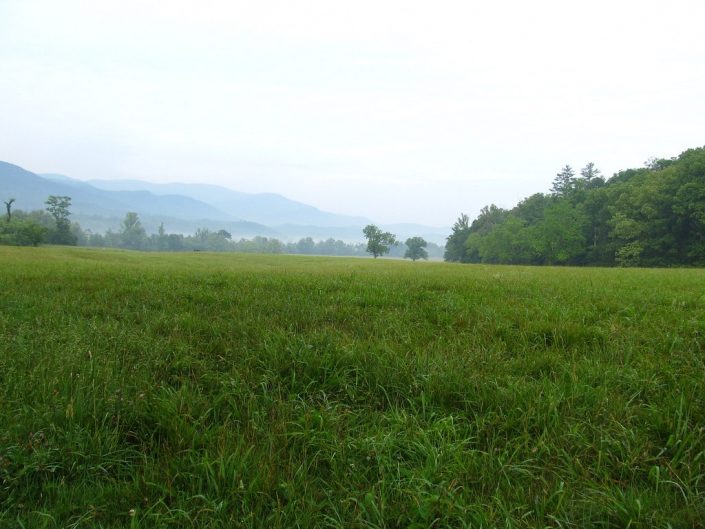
99	205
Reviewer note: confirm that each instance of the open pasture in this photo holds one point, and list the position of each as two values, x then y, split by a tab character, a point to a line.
220	390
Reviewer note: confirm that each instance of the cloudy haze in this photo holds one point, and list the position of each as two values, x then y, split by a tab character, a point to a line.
395	110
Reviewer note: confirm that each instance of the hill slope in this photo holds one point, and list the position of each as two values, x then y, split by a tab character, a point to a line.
100	205
31	190
99	209
265	208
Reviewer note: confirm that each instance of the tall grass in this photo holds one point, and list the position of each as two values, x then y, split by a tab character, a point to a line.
204	390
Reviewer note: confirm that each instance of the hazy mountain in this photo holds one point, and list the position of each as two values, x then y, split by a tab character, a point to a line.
292	220
294	232
99	209
264	208
60	178
31	191
403	231
238	228
100	205
354	233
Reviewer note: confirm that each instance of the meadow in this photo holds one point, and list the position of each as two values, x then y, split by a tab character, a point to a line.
223	390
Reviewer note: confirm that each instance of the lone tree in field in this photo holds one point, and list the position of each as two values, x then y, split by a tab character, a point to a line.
378	241
416	248
8	205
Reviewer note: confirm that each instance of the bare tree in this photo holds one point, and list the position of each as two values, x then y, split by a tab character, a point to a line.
8	205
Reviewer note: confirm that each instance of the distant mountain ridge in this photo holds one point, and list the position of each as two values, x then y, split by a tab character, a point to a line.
31	191
99	205
264	208
98	209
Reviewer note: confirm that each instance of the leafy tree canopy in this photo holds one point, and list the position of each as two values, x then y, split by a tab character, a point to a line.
58	208
416	248
378	242
650	216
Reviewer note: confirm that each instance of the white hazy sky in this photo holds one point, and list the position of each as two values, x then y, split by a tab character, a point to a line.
399	110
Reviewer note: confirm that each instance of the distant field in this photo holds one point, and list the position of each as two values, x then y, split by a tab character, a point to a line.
219	390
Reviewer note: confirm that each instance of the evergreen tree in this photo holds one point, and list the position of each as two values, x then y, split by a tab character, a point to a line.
590	172
564	182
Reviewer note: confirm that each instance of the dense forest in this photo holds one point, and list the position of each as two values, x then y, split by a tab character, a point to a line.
652	216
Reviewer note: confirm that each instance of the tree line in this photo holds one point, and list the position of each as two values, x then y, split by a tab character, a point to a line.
381	243
52	225
649	216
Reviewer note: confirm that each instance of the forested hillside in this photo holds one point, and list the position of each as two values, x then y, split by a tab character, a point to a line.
652	216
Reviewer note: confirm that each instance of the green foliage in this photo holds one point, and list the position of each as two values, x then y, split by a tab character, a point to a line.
378	242
560	237
259	245
132	233
20	229
564	182
416	248
225	390
591	175
58	208
455	243
629	254
654	216
205	239
508	242
218	241
330	246
20	232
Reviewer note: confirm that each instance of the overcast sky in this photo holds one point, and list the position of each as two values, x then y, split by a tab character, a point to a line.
399	110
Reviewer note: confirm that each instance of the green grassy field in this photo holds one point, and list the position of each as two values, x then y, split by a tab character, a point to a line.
215	390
